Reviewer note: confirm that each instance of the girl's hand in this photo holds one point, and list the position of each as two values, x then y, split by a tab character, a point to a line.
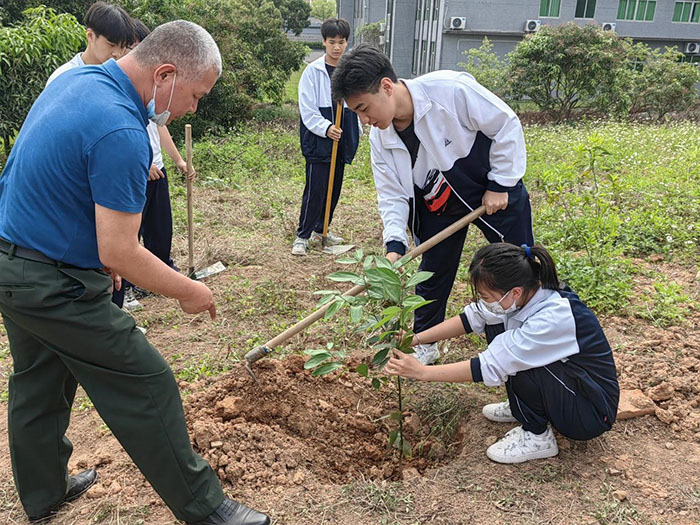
405	365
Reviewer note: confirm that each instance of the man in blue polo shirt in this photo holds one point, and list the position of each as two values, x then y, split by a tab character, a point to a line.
71	198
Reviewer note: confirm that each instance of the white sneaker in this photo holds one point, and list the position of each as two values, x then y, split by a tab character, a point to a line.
499	412
131	304
331	238
519	445
300	246
426	354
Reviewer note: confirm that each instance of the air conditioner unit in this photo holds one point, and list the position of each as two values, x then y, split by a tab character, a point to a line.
531	26
382	27
608	26
692	48
458	22
382	40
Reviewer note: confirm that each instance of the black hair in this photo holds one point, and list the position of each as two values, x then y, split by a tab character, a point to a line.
502	266
335	27
111	22
141	30
360	72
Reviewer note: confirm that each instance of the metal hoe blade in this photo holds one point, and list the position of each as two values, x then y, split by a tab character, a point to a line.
337	249
209	271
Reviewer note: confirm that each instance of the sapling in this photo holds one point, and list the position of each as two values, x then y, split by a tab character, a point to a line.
384	313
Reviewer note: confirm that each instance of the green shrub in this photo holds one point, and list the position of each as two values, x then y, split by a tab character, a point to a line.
487	68
661	83
568	67
324	9
29	52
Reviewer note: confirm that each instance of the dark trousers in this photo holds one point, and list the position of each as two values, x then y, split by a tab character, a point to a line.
313	200
156	227
443	259
546	395
64	331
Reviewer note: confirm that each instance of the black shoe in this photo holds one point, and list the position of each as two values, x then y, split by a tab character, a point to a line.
77	486
233	513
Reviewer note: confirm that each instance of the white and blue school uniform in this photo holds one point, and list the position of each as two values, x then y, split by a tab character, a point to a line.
463	141
317	114
555	361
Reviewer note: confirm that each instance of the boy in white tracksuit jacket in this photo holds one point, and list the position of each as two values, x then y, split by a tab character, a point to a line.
317	132
442	145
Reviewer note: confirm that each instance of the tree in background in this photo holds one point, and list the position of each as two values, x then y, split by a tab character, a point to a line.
487	68
30	51
13	8
324	9
257	56
295	14
661	82
568	67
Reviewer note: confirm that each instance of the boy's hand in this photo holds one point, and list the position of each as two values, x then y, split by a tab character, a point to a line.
494	201
182	167
405	365
154	173
334	133
393	256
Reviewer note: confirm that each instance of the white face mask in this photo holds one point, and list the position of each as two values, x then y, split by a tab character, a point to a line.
161	118
496	308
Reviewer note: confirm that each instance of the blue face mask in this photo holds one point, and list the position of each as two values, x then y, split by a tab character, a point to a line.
161	118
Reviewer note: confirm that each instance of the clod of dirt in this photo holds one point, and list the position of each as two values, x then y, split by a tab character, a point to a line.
661	392
633	403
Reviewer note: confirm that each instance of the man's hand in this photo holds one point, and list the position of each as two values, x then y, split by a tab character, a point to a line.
154	173
181	165
198	300
334	133
393	256
116	279
404	365
494	201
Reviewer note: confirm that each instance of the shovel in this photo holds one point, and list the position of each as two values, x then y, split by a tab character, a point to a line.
218	266
260	352
338	248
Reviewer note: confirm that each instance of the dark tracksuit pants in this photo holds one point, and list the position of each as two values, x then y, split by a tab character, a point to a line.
443	259
156	227
64	331
546	395
313	201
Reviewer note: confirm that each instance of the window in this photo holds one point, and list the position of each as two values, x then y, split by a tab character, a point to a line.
687	12
636	10
550	8
585	8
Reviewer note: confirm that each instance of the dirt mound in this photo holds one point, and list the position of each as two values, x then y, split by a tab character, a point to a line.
292	426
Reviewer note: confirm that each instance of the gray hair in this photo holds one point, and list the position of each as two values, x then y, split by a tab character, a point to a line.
184	44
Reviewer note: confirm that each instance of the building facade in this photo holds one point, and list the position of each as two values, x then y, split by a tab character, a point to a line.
424	35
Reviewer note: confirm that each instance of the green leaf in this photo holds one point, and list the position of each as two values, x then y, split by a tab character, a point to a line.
396	416
325	300
383	262
369	260
382	322
346	260
392	437
376	384
418	278
344	277
333	308
363	370
356	313
380	357
388	281
391	311
326	368
314	361
315	352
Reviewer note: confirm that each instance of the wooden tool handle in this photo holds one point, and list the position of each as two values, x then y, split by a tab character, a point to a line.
331	174
190	232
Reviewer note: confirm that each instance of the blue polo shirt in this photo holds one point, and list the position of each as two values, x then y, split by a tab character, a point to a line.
83	142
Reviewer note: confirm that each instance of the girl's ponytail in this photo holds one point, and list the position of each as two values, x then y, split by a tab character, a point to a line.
546	270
